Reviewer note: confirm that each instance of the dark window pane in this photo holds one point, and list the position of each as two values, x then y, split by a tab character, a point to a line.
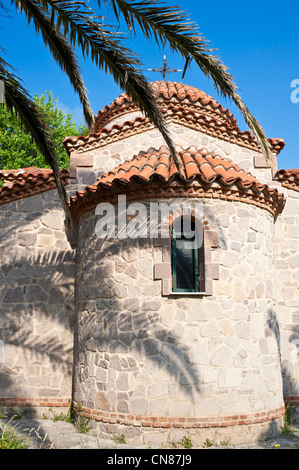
184	260
184	266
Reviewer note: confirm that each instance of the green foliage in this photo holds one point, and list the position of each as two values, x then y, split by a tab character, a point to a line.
287	422
208	443
17	149
10	440
119	439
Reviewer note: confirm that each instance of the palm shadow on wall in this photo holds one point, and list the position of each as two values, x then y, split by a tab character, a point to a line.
120	327
36	316
288	383
40	288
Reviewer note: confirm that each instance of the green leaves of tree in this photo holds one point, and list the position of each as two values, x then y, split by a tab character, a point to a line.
18	149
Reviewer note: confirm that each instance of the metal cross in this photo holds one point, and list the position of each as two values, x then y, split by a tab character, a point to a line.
165	69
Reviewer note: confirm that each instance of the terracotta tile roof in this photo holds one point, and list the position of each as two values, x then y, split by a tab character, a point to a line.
289	178
182	104
181	116
207	172
167	93
25	182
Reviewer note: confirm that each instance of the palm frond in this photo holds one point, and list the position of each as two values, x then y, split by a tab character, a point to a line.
61	50
32	117
108	52
170	25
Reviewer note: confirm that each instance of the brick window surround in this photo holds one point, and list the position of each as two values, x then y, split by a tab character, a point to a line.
163	271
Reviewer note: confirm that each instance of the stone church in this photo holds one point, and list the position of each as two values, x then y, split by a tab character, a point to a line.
155	337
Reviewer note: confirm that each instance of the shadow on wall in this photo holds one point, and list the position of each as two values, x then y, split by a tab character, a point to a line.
120	310
290	383
36	323
288	364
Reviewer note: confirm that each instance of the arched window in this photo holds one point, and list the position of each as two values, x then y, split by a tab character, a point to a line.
187	256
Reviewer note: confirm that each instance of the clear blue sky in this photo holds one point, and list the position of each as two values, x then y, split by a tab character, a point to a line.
257	40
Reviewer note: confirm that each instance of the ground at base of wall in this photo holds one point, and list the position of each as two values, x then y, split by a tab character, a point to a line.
39	433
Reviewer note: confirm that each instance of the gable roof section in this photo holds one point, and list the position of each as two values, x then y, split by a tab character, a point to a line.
153	174
288	178
25	182
182	104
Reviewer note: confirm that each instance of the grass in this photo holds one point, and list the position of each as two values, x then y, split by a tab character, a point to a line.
10	440
119	439
287	429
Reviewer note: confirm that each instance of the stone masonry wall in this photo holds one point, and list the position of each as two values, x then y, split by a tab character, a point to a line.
287	308
36	303
154	366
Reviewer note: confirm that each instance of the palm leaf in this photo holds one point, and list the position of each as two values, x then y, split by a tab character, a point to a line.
33	118
169	25
60	49
108	53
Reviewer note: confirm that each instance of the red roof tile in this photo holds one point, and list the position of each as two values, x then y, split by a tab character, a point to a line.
24	182
166	93
289	178
157	166
183	104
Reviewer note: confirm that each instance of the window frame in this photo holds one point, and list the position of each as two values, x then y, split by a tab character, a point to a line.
198	262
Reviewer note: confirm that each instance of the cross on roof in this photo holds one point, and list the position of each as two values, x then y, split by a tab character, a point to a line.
165	69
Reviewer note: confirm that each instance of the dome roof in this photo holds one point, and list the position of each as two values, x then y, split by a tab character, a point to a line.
153	174
182	104
171	97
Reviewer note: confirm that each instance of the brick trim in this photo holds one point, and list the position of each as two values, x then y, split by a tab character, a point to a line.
34	402
137	191
177	422
292	400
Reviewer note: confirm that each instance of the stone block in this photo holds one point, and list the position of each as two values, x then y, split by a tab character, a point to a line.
32	204
200	354
161	241
151	347
177	408
157	390
210	375
45	240
158	407
242	330
27	239
260	162
211	239
233	378
229	259
207	408
162	271
122	382
166	286
212	270
151	306
35	294
139	406
222	356
79	160
131	304
53	220
210	329
13	295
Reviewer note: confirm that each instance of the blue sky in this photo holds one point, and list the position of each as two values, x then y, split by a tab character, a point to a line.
258	41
